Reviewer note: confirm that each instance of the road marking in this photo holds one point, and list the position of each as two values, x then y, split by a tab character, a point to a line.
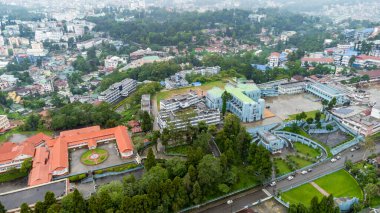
266	192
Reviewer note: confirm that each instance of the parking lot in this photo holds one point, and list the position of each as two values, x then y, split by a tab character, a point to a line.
331	139
13	200
284	105
113	159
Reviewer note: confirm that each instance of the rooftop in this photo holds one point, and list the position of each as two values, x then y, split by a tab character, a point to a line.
215	92
238	93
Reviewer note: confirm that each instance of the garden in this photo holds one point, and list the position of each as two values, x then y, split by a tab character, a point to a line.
339	184
94	157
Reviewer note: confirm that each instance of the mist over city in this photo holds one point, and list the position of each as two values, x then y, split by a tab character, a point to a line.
204	106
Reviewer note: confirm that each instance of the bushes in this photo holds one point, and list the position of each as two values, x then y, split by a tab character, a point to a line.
117	168
76	178
12	174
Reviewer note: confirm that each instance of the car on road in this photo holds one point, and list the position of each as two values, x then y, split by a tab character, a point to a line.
356	147
273	183
338	157
290	177
304	172
309	170
333	160
352	149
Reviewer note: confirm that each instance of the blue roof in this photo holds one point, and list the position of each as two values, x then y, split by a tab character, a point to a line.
261	67
197	84
351	53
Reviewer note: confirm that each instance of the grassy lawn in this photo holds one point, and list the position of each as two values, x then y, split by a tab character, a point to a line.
7	135
301	163
340	184
306	150
310	114
282	167
301	132
302	194
85	158
245	179
170	93
182	149
375	202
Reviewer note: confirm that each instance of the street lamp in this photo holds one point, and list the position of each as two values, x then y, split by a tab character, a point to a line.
230	202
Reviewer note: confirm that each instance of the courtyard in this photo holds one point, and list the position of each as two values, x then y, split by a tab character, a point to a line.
332	139
284	105
76	165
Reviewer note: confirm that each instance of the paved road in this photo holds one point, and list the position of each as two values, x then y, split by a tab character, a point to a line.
246	199
155	113
321	170
14	200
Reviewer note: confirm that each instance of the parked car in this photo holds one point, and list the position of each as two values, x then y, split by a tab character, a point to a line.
290	177
273	183
338	157
309	170
333	160
356	147
304	172
352	149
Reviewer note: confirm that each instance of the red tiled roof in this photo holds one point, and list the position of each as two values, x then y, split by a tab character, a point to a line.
37	139
367	57
275	54
318	60
9	151
40	172
59	146
371	74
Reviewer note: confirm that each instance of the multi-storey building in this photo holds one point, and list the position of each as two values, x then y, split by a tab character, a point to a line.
326	92
145	103
118	90
274	59
180	101
192	115
270	141
245	101
291	88
4	123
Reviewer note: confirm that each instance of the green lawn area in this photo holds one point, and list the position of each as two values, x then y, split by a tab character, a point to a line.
245	179
306	150
301	163
375	202
205	86
310	114
302	194
340	184
182	149
7	135
282	167
300	131
85	158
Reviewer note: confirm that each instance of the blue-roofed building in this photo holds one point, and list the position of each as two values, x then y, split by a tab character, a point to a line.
327	92
246	102
270	141
261	67
345	204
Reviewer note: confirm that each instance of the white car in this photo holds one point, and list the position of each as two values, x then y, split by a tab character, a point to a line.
352	149
273	183
304	172
290	177
333	160
338	157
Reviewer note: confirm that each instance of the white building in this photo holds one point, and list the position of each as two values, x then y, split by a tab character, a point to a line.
111	62
118	90
274	59
180	101
8	80
291	88
49	34
4	122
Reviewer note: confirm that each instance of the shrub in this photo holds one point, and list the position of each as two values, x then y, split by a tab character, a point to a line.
76	178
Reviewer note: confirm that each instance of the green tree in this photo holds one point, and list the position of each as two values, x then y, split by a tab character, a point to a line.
146	122
23	209
39	207
26	165
225	98
150	160
196	194
209	172
371	190
309	120
317	116
49	200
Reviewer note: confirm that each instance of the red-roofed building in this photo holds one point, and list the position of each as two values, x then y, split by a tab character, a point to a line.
364	60
274	59
374	75
90	137
317	61
12	155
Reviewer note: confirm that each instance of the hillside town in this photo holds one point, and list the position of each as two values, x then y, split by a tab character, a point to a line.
134	108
